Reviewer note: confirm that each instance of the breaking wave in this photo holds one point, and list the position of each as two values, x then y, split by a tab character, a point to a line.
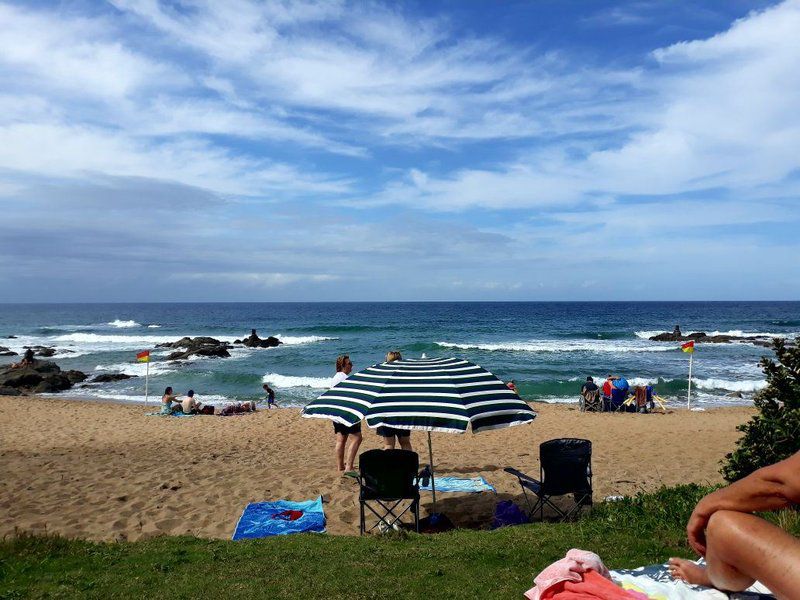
123	324
559	346
289	381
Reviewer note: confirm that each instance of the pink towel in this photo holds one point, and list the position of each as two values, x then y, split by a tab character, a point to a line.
593	587
570	568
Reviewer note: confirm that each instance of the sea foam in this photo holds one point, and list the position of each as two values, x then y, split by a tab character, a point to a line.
558	346
123	324
289	381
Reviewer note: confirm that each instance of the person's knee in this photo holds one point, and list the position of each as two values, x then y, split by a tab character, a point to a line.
726	528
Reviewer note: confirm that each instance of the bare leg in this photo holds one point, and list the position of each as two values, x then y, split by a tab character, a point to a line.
743	548
353	442
341	439
388	442
405	443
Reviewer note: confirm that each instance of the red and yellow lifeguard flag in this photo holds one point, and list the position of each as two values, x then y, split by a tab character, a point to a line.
143	356
688	347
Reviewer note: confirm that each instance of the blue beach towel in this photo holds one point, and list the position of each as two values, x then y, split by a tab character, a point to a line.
455	484
282	517
160	414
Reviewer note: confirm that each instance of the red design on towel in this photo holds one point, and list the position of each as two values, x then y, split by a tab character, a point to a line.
288	515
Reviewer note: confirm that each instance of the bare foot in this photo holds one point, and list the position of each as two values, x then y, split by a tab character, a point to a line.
689	571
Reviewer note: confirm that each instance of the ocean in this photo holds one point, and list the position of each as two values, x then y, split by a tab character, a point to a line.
548	348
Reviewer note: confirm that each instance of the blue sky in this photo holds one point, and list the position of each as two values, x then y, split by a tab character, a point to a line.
239	150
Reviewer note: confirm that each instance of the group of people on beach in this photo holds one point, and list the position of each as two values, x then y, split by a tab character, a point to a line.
348	439
190	405
614	394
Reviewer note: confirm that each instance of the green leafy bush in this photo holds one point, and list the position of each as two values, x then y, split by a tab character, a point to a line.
774	432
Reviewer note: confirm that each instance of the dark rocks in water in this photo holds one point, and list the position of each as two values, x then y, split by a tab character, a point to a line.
40	377
208	351
11	337
703	338
109	377
199	346
44	351
253	341
6	351
75	376
734	395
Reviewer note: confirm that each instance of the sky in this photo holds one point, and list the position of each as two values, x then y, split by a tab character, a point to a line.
454	150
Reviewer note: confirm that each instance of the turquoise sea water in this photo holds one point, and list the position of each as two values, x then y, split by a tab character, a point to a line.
548	348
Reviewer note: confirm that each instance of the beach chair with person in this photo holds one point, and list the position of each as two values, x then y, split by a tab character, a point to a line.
565	467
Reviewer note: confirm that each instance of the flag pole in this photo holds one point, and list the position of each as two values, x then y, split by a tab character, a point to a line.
147	381
689	393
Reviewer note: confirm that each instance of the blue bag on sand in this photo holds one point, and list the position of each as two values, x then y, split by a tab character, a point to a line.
507	513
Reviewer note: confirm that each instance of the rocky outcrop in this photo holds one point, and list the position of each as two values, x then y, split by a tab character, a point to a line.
43	351
701	337
6	351
253	341
198	346
110	377
40	377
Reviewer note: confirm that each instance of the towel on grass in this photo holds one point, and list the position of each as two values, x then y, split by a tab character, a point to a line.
656	582
455	484
281	517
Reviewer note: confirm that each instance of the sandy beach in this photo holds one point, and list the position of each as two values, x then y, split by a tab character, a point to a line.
105	471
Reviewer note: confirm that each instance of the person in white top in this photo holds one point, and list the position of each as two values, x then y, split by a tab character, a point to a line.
348	439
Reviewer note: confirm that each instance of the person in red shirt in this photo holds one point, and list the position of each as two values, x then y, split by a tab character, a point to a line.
607	385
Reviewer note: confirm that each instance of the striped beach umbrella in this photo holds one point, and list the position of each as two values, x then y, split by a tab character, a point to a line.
427	394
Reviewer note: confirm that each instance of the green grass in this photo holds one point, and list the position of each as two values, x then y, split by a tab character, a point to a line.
461	564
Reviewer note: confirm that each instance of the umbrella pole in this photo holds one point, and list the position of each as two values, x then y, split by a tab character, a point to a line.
430	464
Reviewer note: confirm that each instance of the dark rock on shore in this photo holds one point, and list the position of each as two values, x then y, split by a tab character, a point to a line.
40	377
199	346
109	377
9	391
6	351
253	341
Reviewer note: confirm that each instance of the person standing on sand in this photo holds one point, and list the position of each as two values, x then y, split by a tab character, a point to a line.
739	547
348	439
389	434
270	396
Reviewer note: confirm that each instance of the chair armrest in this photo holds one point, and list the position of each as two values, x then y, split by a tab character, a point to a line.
522	476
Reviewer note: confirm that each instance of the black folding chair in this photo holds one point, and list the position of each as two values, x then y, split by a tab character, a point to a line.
565	468
387	479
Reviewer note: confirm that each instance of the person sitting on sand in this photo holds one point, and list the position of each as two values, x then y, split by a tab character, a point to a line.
608	386
189	405
270	396
739	547
390	434
590	393
348	439
166	403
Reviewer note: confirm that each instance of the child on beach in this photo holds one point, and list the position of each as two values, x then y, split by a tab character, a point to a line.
270	396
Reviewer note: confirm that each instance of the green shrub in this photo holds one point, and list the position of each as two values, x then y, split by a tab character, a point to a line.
774	432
